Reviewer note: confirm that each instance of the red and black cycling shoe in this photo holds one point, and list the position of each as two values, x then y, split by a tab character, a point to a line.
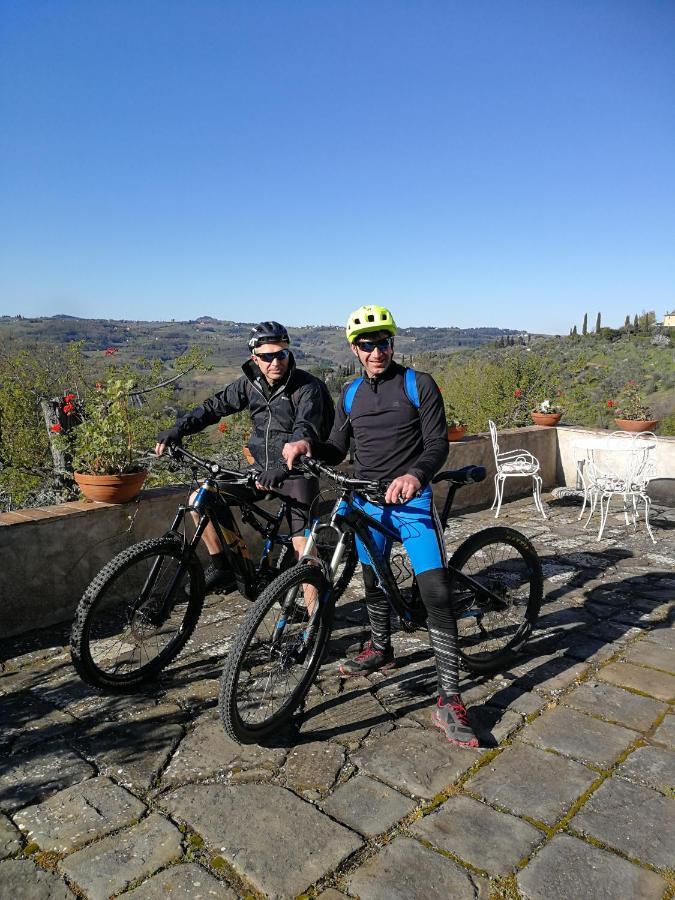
370	659
452	718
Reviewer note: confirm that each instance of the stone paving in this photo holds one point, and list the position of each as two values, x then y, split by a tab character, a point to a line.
569	796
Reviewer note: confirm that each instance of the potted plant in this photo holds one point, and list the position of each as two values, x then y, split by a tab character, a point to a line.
546	413
104	435
456	426
631	413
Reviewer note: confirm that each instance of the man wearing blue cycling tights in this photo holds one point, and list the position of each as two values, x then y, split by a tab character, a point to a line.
401	438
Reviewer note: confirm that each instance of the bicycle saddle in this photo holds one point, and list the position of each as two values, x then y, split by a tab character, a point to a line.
466	475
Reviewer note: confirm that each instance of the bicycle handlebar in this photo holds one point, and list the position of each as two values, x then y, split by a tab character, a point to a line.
314	467
180	454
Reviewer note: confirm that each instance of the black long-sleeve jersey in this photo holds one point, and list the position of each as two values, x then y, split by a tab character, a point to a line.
391	436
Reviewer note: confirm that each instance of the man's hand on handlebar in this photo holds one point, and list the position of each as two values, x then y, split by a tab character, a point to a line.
166	439
295	449
271	478
402	489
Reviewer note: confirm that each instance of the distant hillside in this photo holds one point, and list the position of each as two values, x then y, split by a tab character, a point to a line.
321	347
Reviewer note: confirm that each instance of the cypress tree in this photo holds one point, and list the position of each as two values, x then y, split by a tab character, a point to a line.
575	333
626	324
597	324
584	327
636	324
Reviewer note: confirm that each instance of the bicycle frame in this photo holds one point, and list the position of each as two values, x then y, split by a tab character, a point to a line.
210	504
347	517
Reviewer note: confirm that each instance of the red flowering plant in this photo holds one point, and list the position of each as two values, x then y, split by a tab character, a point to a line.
630	404
112	428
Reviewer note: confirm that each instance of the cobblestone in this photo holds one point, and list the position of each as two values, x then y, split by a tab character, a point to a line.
531	782
651	766
367	806
279	843
405	870
636	820
116	862
615	705
183	881
568	869
78	815
494	842
93	779
582	737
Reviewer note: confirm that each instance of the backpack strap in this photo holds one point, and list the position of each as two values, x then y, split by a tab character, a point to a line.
350	393
410	387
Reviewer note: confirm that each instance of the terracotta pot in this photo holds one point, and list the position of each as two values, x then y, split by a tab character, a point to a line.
456	432
636	424
111	488
540	418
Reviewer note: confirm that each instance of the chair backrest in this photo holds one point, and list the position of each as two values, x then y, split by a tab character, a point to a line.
495	441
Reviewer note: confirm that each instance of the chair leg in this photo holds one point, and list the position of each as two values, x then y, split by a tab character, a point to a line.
593	504
648	504
536	492
604	512
500	495
494	502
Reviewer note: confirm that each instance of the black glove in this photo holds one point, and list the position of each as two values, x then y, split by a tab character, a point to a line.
170	436
272	478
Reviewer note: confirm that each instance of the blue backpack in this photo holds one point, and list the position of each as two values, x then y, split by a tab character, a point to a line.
409	386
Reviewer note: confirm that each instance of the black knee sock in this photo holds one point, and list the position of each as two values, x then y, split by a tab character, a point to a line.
379	611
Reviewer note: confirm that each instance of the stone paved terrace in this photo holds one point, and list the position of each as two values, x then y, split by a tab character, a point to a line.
570	795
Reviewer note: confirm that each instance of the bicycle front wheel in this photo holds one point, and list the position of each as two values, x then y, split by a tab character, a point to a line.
492	629
137	615
276	654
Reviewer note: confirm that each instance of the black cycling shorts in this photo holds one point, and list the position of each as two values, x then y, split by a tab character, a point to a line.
303	493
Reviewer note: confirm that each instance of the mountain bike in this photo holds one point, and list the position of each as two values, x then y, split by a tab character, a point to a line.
496	592
140	610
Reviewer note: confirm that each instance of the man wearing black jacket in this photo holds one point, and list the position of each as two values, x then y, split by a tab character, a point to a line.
399	436
285	404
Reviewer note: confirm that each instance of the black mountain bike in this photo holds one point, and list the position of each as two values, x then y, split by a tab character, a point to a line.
496	592
142	607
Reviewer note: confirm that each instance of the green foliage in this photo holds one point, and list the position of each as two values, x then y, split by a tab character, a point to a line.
504	390
108	416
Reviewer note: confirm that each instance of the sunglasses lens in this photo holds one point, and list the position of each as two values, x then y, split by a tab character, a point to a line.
369	346
269	357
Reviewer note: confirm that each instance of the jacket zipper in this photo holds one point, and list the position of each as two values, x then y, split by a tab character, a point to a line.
269	418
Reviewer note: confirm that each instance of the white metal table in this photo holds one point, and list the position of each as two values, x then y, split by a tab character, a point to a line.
611	465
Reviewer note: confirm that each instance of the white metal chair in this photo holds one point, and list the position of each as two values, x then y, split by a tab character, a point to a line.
514	464
622	467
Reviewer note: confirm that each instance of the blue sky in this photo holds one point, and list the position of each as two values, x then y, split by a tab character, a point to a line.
478	163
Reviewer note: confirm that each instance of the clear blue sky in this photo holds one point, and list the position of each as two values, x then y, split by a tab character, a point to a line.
476	163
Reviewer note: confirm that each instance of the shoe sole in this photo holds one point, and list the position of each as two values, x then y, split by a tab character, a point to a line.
382	668
471	743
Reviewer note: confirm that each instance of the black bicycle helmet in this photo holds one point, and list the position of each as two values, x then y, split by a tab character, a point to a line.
267	333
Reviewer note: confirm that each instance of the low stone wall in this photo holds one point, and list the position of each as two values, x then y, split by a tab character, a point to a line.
48	556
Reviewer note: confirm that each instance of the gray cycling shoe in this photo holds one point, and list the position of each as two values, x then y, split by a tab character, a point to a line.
369	660
451	717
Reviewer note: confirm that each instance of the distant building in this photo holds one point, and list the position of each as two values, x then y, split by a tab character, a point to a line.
669	319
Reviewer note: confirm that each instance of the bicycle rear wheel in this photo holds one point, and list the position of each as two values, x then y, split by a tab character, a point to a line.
137	615
503	561
276	655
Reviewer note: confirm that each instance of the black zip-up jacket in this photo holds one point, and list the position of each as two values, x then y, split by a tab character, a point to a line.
288	411
391	436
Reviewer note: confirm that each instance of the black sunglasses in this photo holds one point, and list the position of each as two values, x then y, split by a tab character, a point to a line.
277	354
383	345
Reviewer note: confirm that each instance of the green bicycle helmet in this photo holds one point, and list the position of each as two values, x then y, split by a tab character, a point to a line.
369	318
